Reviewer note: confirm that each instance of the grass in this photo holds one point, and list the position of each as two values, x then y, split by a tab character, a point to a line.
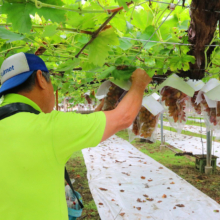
194	123
189	133
77	170
183	166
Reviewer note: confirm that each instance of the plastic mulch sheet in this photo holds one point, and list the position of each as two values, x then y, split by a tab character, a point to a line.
127	184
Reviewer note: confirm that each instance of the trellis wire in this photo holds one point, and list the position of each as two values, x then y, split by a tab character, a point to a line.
167	3
162	42
155	31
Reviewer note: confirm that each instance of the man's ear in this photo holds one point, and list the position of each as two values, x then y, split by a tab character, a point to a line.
40	80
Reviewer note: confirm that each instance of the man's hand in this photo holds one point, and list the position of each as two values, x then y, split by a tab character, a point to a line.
140	79
125	113
100	106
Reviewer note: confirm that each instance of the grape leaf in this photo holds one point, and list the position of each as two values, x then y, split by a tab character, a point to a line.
98	49
68	65
123	4
107	72
123	74
50	30
125	44
129	26
10	36
18	15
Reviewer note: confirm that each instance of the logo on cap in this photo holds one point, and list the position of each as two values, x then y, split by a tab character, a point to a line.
7	70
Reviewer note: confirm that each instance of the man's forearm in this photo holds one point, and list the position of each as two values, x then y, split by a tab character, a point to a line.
126	111
130	105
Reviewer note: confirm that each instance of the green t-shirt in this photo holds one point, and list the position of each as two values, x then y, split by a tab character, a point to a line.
33	153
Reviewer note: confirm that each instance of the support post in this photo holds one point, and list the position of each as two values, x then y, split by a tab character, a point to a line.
162	146
208	167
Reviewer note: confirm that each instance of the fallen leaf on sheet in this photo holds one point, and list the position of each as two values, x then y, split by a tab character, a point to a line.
113	200
150	199
160	167
145	162
117	161
130	165
139	200
126	173
140	161
139	208
150	180
106	167
180	205
121	190
143	177
145	195
119	184
170	178
172	183
159	201
174	207
168	187
130	152
164	196
100	203
122	214
134	207
91	155
216	210
103	189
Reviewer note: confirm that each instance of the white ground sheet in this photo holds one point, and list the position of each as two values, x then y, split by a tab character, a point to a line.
191	128
189	144
196	119
119	176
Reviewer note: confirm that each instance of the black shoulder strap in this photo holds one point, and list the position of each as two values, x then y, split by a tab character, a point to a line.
14	108
71	186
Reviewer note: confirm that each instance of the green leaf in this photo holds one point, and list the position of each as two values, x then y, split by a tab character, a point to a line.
10	36
142	18
123	74
68	65
147	35
18	15
125	44
129	26
123	4
82	38
107	72
98	49
150	62
49	31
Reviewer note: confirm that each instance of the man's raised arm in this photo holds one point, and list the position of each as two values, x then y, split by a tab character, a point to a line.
124	114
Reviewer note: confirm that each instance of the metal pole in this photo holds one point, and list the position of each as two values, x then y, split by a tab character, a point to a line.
161	128
208	168
162	146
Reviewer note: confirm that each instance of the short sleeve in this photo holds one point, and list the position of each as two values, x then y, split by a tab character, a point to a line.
73	132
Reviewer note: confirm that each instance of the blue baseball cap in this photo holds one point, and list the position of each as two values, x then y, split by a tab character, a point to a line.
17	68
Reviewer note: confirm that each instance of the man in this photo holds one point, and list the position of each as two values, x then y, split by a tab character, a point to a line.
34	148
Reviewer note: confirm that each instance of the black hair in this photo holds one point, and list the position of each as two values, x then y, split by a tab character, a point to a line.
28	85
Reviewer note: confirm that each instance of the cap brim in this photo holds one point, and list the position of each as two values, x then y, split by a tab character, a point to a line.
14	81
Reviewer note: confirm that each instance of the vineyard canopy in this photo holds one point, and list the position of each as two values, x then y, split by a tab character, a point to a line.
86	42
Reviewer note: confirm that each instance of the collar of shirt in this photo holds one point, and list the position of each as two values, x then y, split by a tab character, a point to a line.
14	98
